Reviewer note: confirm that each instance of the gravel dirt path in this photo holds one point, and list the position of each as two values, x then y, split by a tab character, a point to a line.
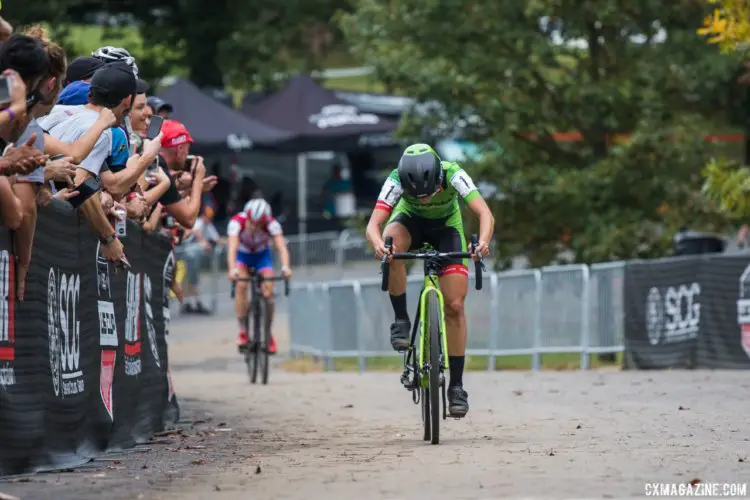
342	435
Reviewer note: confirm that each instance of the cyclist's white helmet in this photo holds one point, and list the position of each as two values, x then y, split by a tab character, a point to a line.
257	209
110	54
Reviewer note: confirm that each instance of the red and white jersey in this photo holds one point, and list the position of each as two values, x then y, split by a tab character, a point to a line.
257	240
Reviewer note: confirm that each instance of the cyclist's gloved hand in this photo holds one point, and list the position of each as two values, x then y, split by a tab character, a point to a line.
482	249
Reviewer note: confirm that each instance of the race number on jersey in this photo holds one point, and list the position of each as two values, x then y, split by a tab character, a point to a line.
391	193
462	183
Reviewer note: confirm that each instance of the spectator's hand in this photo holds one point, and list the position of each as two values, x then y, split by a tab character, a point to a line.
114	251
107	118
157	177
199	172
108	203
66	194
119	211
152	147
17	90
43	196
61	170
24	158
209	183
183	181
136	206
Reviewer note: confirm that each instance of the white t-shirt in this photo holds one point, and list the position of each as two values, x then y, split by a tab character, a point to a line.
37	175
70	123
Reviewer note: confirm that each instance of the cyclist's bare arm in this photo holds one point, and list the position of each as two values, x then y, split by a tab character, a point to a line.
375	231
233	242
279	244
486	223
389	196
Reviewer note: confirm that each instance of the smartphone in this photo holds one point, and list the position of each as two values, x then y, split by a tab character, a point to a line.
33	100
85	191
154	127
4	89
189	163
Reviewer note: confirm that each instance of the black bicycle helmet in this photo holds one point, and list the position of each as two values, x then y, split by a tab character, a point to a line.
419	171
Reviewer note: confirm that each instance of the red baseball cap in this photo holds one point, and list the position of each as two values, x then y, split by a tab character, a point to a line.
174	134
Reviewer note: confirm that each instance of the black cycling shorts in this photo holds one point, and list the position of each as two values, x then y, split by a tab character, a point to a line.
444	235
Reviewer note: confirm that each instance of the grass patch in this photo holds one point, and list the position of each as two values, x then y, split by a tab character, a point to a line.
550	362
364	83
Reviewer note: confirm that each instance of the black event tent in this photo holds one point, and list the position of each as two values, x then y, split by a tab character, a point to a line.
215	125
319	120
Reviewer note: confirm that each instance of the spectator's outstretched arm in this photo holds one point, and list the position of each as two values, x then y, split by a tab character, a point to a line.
81	148
135	167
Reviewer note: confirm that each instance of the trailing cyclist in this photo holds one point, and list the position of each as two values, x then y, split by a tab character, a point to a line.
250	234
419	205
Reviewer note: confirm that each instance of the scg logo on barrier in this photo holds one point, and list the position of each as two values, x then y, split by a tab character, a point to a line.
64	330
676	317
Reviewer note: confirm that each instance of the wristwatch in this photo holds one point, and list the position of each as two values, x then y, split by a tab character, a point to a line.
108	239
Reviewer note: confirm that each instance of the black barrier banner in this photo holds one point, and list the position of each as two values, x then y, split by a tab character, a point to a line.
83	359
688	312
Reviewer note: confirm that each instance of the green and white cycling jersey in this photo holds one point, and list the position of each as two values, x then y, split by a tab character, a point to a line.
456	182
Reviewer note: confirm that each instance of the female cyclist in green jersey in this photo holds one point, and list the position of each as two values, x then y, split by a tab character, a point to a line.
419	204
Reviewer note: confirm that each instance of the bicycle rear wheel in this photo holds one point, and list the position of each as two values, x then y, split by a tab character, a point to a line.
433	393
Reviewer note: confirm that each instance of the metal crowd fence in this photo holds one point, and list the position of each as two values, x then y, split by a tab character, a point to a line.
328	251
560	309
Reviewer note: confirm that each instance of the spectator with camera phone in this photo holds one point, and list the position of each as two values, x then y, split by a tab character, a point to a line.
175	142
112	86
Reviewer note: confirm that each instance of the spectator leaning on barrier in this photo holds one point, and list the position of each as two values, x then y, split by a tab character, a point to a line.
113	87
20	160
28	57
122	170
29	187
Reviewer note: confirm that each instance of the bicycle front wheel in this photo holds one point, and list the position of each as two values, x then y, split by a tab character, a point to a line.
435	316
253	352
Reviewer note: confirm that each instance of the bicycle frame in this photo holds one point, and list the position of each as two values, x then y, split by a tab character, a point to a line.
431	282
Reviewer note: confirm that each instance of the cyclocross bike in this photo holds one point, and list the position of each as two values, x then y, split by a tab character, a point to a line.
425	359
256	352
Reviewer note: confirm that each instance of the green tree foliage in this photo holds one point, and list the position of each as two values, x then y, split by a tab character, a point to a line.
614	73
242	42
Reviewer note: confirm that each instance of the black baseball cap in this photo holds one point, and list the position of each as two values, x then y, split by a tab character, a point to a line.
157	104
141	86
114	82
82	68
